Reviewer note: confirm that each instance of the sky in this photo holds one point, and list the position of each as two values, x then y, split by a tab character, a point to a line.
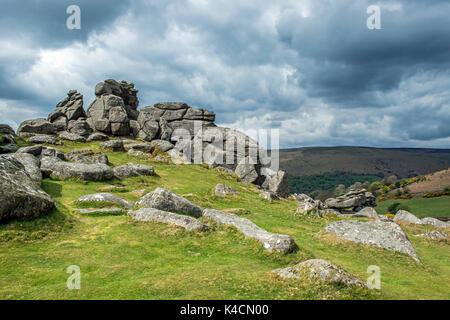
311	69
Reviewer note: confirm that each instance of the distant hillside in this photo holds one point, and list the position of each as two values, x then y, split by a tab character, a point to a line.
402	162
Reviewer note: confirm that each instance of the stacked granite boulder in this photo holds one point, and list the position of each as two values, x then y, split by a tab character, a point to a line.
113	108
352	201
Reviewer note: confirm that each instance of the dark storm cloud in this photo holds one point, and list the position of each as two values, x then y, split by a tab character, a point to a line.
45	21
310	68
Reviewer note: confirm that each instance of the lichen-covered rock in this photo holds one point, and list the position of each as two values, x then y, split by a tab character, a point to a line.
405	216
106	197
96	136
434	235
20	197
80	127
271	241
320	270
112	145
277	183
71	137
71	108
31	165
367	212
42	151
382	234
66	170
307	205
435	222
162	145
247	171
152	214
144	147
44	138
166	200
352	201
87	156
7	141
36	126
223	190
6	129
133	170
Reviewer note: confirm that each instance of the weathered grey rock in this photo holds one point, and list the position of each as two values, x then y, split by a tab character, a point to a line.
137	153
226	170
151	214
61	123
96	136
223	190
71	137
44	138
31	165
87	156
166	200
20	197
6	129
148	127
112	145
70	108
7	148
386	235
166	129
435	222
163	145
434	235
247	171
145	147
80	127
7	142
100	211
322	271
271	241
405	216
352	201
277	183
42	151
307	205
133	170
36	126
122	89
384	218
267	195
367	212
66	170
106	197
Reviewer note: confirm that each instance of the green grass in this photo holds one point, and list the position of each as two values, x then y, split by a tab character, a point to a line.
124	259
421	207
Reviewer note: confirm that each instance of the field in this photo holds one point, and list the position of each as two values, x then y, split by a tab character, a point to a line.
421	207
123	259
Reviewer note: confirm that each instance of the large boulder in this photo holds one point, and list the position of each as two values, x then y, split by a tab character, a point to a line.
271	241
434	235
352	201
66	170
31	165
87	156
37	126
122	89
6	129
112	145
45	138
42	151
435	222
151	214
367	212
162	119
322	271
7	139
407	217
166	200
133	170
277	183
65	135
79	127
71	108
20	197
382	234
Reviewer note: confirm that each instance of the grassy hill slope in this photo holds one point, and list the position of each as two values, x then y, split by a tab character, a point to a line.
362	160
124	259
